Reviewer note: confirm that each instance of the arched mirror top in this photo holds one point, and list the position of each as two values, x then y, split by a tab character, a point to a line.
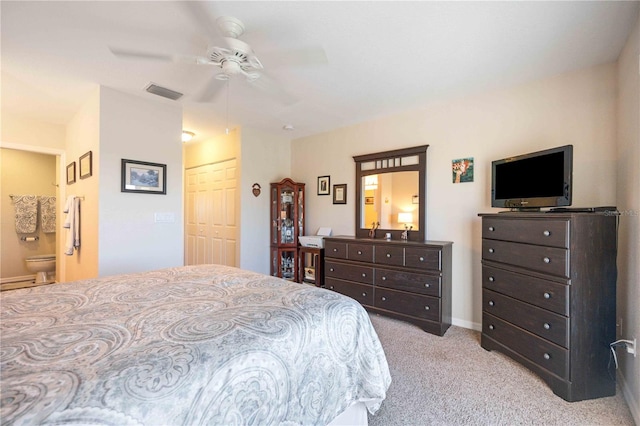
390	193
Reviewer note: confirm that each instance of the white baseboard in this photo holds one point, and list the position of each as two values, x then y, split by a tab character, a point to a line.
466	324
17	279
628	396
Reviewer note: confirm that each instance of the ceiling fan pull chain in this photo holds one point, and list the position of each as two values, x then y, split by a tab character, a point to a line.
227	118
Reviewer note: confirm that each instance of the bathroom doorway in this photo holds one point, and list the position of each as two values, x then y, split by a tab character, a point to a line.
37	171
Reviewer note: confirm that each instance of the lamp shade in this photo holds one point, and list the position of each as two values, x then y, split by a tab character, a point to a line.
405	217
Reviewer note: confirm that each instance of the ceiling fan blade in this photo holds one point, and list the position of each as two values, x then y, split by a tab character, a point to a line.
153	56
303	57
210	90
134	54
204	18
268	86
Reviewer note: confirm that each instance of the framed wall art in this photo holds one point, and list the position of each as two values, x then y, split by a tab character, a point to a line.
144	177
340	194
462	170
71	173
323	185
86	166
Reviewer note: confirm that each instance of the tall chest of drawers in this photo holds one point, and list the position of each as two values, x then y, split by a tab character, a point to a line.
549	297
406	280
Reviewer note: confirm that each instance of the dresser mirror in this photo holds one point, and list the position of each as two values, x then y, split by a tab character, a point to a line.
390	191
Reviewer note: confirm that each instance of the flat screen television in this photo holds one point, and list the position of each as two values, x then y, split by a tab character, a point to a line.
534	180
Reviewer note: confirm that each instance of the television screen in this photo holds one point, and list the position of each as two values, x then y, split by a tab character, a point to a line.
534	180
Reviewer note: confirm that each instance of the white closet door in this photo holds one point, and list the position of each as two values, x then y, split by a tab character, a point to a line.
211	210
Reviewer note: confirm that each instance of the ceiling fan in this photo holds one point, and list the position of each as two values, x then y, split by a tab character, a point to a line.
235	58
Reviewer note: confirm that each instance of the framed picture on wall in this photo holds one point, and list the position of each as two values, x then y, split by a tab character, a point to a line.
71	173
323	185
144	177
86	166
340	194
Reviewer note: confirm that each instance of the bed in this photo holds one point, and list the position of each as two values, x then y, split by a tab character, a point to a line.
205	344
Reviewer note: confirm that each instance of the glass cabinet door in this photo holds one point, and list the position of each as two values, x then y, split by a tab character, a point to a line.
287	223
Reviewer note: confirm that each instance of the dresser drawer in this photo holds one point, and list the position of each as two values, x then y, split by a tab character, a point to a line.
408	281
389	255
360	252
549	260
545	294
423	258
335	249
543	323
424	307
548	355
362	293
552	233
346	271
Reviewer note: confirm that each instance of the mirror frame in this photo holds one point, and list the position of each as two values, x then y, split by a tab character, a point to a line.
421	168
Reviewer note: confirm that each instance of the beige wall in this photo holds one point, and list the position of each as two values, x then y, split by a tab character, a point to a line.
17	129
577	108
83	135
628	201
215	150
23	173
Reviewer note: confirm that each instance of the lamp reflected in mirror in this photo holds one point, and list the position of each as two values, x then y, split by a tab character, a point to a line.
405	218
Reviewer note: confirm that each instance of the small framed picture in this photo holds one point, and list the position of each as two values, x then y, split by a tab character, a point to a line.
86	167
144	177
340	194
71	173
323	185
368	200
462	170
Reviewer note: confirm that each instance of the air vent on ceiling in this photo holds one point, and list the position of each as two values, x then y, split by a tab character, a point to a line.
163	91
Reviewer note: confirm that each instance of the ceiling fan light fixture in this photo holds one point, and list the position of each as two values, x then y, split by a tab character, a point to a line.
187	136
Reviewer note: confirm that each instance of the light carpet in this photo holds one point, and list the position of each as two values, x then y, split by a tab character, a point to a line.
452	380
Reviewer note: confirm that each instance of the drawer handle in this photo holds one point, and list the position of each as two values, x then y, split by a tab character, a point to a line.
359	252
388	254
426	308
546	260
491	327
421	259
330	287
546	233
491	250
427	285
364	275
491	303
492	279
547	295
364	294
547	326
384	298
491	228
384	278
335	249
546	356
331	269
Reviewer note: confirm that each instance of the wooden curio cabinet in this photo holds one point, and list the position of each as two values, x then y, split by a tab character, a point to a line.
287	223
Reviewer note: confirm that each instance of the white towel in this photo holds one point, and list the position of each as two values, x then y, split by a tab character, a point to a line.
72	223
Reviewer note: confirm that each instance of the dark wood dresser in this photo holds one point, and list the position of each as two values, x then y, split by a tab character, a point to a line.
549	297
410	281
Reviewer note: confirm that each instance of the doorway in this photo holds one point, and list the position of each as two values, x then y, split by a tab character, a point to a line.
211	209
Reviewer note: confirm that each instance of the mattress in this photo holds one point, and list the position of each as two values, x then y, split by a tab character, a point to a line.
206	344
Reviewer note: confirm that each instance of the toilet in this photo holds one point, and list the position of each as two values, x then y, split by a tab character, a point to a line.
42	265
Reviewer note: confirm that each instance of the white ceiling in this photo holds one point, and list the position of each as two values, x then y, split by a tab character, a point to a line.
383	57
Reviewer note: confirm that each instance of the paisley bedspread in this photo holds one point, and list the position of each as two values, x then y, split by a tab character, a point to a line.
204	344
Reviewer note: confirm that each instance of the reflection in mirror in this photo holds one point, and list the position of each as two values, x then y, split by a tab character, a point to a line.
390	199
390	194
